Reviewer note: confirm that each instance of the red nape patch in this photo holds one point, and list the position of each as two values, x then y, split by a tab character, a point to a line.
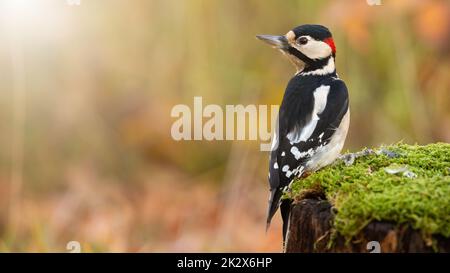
330	42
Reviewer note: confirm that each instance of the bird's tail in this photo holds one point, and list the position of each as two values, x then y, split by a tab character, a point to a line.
274	203
285	208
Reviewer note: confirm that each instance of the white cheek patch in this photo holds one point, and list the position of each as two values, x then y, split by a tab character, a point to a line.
316	49
313	49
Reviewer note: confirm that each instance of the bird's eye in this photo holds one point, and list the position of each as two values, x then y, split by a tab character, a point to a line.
303	40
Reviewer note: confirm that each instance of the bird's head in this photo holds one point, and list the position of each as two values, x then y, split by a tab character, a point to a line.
309	47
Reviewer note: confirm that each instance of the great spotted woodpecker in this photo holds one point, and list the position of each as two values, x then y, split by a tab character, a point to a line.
314	115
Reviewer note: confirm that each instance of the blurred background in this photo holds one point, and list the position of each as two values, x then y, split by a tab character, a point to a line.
86	93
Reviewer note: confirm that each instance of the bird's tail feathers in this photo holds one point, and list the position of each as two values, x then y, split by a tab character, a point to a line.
274	203
285	208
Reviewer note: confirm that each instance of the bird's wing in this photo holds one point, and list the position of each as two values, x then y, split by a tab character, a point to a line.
297	144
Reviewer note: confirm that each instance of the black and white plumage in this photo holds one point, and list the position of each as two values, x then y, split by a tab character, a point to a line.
314	114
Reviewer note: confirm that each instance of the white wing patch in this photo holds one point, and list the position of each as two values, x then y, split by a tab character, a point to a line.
297	154
320	101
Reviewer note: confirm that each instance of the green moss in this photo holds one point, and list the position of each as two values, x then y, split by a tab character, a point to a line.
368	190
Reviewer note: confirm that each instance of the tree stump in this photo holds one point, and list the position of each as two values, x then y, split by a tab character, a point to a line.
310	230
406	187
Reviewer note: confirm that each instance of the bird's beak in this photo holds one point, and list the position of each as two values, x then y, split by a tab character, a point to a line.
278	42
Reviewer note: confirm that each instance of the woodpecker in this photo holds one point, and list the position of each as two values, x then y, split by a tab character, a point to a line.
314	114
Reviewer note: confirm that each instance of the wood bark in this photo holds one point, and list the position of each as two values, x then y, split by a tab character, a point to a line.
310	230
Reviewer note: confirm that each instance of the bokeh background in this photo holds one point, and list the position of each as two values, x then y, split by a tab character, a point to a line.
86	93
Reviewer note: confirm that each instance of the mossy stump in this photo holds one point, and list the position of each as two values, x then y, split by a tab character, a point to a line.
392	199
